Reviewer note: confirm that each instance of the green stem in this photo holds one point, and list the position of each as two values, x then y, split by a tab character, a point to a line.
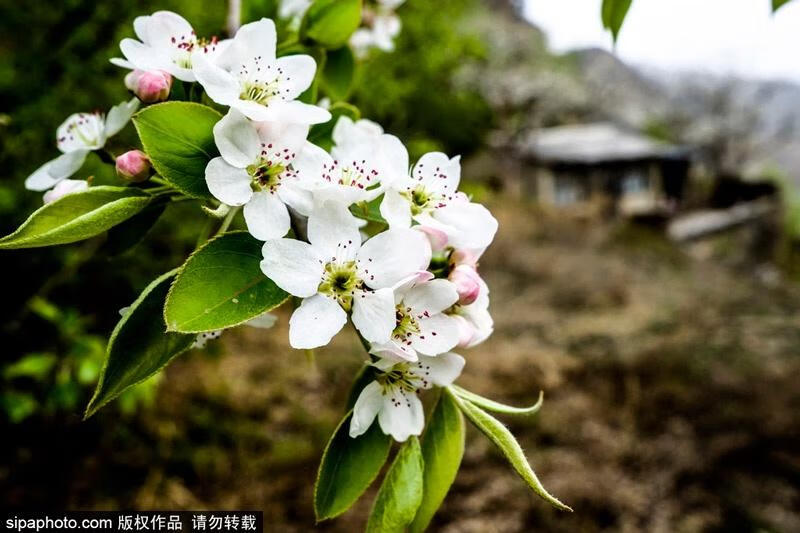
228	219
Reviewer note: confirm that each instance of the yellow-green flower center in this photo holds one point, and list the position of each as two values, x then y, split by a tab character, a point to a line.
265	175
340	281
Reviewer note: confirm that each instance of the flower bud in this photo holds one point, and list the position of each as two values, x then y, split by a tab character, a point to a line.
63	188
149	86
467	283
134	166
466	331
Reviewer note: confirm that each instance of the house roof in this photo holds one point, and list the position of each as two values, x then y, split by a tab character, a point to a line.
600	142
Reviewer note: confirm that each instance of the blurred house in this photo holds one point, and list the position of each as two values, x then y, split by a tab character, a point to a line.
604	164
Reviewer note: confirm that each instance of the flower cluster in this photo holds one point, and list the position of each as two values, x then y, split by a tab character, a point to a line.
408	281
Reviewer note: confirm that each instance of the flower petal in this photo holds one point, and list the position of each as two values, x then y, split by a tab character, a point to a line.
438	334
437	172
293	265
296	111
237	139
365	410
265	321
297	198
252	40
471	224
393	351
227	183
394	159
63	188
266	216
441	370
332	228
119	115
374	314
401	415
141	56
392	256
396	209
297	74
49	174
432	297
315	322
221	86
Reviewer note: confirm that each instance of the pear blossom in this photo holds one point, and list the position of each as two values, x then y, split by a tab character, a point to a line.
392	397
247	76
80	134
360	159
420	325
430	197
63	188
336	274
255	169
166	42
381	27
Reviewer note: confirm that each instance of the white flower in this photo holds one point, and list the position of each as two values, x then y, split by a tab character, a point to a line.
64	188
247	76
430	197
166	42
293	9
380	34
76	137
360	159
392	397
420	325
335	274
255	170
474	321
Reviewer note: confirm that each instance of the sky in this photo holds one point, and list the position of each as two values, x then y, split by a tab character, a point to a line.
739	37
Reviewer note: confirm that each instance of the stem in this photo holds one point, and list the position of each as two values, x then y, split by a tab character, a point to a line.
205	233
234	17
228	219
160	181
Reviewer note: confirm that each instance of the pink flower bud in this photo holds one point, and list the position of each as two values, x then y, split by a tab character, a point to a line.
466	331
437	237
149	85
467	283
133	166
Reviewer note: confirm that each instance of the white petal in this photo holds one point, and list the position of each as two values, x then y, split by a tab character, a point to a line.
283	139
438	334
396	209
393	351
365	410
296	111
221	86
142	56
124	63
228	184
437	172
392	256
293	265
432	297
119	115
297	198
394	159
473	226
298	73
442	370
310	164
265	321
237	139
81	131
64	188
253	39
315	322
374	314
401	415
266	216
55	170
332	228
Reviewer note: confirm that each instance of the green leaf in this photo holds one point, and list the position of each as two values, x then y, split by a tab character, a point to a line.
613	14
349	465
400	494
442	450
179	139
505	441
364	377
77	216
777	4
497	407
125	236
331	22
337	76
321	134
369	211
221	285
35	366
139	346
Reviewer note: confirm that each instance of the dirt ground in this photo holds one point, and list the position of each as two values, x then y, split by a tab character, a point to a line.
671	403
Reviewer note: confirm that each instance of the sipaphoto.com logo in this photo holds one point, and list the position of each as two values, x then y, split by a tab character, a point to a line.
49	523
